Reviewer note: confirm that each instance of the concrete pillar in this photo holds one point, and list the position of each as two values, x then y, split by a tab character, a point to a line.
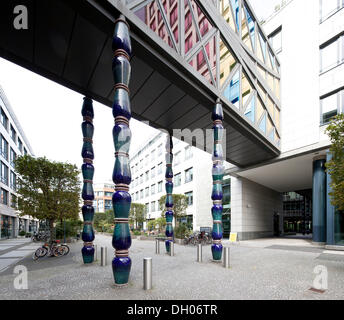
319	200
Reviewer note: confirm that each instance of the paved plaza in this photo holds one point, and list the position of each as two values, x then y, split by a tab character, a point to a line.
261	269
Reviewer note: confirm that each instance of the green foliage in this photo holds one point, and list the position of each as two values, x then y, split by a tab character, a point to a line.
103	221
70	227
137	233
180	204
336	166
151	225
22	233
161	223
137	213
181	231
47	190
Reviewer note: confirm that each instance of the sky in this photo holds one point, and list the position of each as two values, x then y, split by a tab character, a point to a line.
50	115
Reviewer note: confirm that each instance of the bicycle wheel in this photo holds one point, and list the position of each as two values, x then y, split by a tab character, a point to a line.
57	251
65	249
41	252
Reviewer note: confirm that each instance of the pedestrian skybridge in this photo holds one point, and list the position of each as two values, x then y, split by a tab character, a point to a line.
186	55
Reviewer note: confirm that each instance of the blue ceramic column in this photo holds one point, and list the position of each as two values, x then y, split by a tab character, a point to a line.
217	173
169	192
319	200
87	172
121	111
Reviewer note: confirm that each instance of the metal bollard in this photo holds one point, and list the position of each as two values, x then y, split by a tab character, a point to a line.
103	256
226	257
157	246
95	252
147	273
199	253
171	248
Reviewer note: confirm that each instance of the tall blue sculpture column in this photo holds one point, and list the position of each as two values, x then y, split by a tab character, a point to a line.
169	192
217	173
87	172
121	111
319	200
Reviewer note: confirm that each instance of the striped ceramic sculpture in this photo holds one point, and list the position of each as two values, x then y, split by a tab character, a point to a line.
121	199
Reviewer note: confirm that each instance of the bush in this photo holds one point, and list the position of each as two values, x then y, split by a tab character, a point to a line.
181	231
22	233
28	235
136	233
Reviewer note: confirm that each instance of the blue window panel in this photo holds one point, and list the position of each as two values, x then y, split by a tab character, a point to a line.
251	28
235	7
272	135
263	44
232	91
251	109
272	60
262	125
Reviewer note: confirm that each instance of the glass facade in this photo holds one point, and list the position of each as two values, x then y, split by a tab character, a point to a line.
188	31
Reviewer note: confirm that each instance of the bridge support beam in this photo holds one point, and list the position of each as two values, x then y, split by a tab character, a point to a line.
217	173
121	111
87	172
169	193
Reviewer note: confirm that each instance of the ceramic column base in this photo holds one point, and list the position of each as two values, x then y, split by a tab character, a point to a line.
121	270
88	254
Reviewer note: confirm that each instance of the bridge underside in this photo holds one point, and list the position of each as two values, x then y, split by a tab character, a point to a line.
69	42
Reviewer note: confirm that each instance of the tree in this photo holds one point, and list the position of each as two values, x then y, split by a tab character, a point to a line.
102	220
180	203
161	222
137	213
335	167
47	190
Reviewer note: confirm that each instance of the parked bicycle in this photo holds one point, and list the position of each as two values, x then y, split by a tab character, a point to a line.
55	249
198	238
40	236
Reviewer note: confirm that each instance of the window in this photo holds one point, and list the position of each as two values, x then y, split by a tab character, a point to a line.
160	150
200	60
141	194
177	158
329	7
175	33
203	26
137	196
141	163
188	21
153	206
189	196
13	157
174	16
4	119
153	25
330	54
25	151
188	43
4	173
153	172
188	175
151	9
147	175
13	181
147	207
276	40
13	134
160	168
177	179
162	32
160	187
153	155
153	189
14	201
330	107
188	153
146	160
20	145
4	197
147	192
141	178
4	147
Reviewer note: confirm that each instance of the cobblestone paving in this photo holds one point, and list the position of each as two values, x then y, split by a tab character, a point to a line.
256	273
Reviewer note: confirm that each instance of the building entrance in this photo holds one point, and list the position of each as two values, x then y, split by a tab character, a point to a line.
297	213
